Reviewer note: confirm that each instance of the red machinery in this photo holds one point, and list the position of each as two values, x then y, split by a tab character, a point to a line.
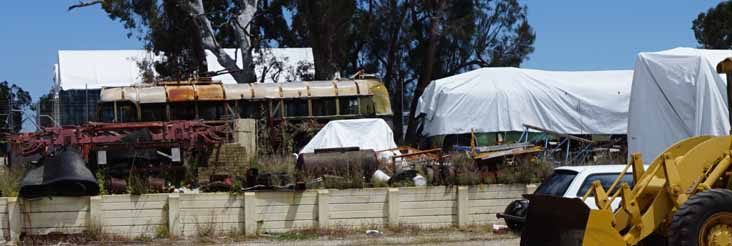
155	150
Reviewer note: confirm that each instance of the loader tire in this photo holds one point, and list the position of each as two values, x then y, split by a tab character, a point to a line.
702	213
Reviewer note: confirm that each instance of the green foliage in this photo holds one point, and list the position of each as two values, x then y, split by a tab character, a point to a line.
169	31
136	185
524	172
163	230
10	178
713	29
101	182
296	235
13	100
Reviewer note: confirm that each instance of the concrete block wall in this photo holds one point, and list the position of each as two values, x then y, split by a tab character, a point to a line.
188	215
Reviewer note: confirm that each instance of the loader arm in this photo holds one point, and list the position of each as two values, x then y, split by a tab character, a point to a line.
688	167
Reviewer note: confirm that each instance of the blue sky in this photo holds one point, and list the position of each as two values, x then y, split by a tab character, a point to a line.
571	35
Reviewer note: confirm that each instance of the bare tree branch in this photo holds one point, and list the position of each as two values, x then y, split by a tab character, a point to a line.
245	74
85	4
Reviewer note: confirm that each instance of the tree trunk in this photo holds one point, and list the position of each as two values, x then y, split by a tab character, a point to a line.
245	74
198	49
322	53
327	22
424	80
243	33
391	60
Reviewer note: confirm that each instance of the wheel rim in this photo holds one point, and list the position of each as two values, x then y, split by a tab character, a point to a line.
717	230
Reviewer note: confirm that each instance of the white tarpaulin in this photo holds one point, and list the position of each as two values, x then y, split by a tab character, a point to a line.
93	69
503	99
676	94
372	134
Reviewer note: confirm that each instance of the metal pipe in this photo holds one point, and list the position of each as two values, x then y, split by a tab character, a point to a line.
729	98
717	171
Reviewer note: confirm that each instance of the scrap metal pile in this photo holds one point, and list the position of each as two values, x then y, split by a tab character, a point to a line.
152	150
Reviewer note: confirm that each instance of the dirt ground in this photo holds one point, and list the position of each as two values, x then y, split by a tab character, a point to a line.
455	238
452	238
466	236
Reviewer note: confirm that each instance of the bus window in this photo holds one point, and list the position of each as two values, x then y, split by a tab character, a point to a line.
248	109
348	105
323	106
126	112
296	107
182	111
211	110
106	112
153	112
276	108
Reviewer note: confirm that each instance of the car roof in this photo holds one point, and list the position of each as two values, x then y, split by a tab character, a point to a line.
595	168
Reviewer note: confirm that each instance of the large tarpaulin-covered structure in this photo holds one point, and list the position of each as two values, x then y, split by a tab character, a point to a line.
676	94
372	134
504	99
94	69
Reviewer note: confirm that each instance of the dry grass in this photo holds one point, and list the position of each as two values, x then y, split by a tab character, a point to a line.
206	231
10	178
274	164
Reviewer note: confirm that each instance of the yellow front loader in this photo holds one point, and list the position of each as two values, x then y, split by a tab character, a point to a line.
684	197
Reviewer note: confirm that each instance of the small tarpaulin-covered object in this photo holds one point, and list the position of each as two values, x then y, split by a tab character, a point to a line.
504	99
676	94
372	134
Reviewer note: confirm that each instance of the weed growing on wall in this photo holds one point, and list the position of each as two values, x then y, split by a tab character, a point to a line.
10	178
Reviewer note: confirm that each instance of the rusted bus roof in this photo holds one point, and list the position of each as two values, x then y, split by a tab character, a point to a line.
152	94
110	94
212	92
180	92
238	91
321	88
130	94
347	88
292	90
268	90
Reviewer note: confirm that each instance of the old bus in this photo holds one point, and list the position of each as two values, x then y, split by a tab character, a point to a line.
274	103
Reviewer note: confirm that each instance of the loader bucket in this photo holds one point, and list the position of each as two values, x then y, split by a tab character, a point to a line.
599	230
554	220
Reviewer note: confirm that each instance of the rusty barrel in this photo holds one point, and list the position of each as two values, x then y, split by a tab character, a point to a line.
345	162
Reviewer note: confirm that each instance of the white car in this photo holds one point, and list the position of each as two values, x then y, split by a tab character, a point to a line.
574	181
569	182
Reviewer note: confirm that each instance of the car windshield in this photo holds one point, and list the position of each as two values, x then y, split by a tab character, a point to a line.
557	183
606	179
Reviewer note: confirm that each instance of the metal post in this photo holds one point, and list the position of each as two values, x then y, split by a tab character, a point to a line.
729	99
566	157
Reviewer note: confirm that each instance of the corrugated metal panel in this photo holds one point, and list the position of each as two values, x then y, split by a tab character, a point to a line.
347	88
154	94
322	89
130	93
180	93
290	90
237	91
212	92
110	94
